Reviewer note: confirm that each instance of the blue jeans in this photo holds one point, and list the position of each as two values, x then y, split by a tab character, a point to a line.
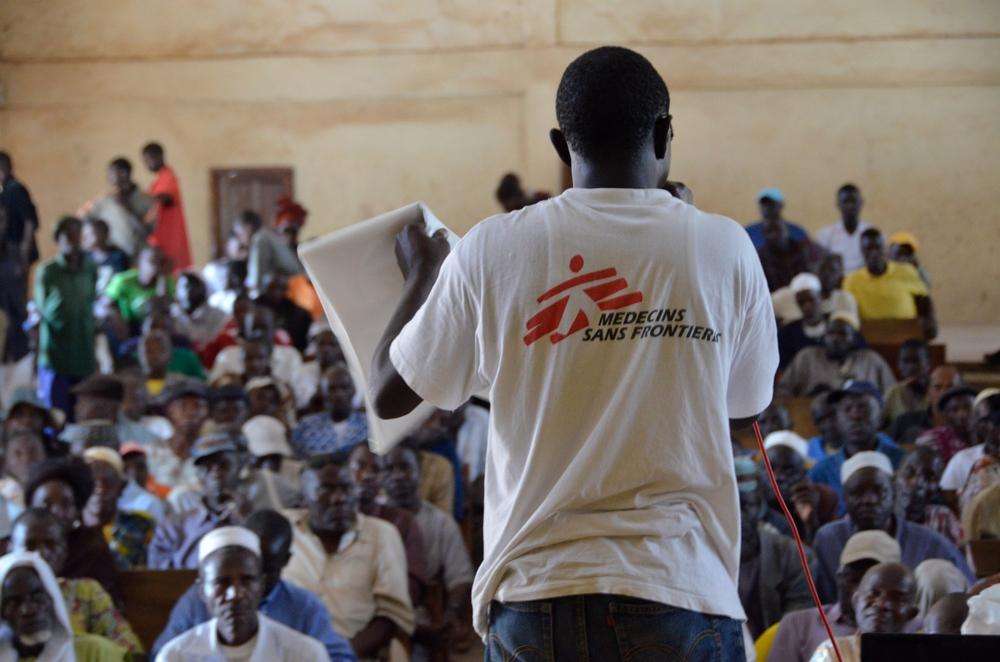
600	628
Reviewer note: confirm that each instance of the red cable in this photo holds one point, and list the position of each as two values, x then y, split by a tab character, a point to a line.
798	542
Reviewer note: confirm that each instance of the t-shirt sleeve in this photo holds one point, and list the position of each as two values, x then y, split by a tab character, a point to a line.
913	282
956	473
438	352
755	348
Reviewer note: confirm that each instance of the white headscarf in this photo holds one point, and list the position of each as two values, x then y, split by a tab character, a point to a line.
60	647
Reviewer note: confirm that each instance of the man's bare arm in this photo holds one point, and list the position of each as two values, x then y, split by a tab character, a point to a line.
419	258
925	313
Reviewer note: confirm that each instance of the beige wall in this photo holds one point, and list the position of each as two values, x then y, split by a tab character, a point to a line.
378	103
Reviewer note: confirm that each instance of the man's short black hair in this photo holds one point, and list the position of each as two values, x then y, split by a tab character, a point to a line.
510	185
121	163
153	149
5	161
608	100
66	224
871	233
317	462
250	218
70	470
99	224
914	344
848	188
269	524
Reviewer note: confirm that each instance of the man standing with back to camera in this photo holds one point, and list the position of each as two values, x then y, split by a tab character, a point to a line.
617	331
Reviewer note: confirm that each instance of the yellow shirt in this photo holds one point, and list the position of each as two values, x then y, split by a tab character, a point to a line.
889	296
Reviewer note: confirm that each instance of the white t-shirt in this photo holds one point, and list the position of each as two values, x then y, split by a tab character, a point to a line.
615	331
959	466
834	239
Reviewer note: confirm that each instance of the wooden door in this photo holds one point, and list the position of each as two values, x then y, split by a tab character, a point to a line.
235	190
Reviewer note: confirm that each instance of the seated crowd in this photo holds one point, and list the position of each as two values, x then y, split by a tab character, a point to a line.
164	417
902	472
157	418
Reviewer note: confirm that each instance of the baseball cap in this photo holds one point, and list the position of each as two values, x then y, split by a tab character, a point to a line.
266	435
956	392
131	447
211	444
863	460
875	545
845	316
181	388
856	387
904	237
985	393
771	193
101	386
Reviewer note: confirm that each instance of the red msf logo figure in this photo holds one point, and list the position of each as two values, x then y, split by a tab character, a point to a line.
604	292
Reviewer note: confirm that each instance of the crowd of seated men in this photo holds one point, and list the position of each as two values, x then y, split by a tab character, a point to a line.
903	471
205	419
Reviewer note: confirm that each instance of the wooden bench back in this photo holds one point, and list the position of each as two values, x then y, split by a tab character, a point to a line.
149	595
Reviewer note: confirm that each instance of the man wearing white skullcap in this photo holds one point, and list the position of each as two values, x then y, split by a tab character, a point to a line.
808	329
232	584
870	499
812	504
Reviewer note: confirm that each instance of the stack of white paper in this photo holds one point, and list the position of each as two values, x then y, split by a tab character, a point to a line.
356	276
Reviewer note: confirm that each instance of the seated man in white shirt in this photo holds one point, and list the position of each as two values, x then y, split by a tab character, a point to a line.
355	563
231	580
446	556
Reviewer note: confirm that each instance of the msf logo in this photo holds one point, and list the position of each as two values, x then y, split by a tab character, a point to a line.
602	288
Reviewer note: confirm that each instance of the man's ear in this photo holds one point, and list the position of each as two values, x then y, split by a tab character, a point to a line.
559	142
661	136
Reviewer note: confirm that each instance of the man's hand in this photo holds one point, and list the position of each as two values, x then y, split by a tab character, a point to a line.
420	254
805	500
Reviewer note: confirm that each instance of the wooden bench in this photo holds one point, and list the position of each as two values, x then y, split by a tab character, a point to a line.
985	557
886	337
149	595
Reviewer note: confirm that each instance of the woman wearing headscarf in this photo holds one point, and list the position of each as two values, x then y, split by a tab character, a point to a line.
36	621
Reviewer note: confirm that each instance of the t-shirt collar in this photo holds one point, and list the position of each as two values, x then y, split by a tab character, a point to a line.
617	196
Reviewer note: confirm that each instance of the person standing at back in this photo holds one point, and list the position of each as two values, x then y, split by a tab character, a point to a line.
616	331
844	237
170	230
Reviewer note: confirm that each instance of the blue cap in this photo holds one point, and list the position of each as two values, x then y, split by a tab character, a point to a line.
854	387
772	193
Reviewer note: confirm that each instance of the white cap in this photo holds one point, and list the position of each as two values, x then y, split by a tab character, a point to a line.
846	316
805	281
107	455
864	459
228	536
789	439
985	393
876	545
266	435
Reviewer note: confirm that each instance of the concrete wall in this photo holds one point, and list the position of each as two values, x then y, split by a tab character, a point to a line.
378	103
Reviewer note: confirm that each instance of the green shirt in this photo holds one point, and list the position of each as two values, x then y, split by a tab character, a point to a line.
131	296
65	299
185	362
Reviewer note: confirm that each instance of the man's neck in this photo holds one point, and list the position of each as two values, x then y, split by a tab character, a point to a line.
869	445
878	269
638	175
28	652
330	538
850	223
918	385
241	639
180	444
339	416
73	260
